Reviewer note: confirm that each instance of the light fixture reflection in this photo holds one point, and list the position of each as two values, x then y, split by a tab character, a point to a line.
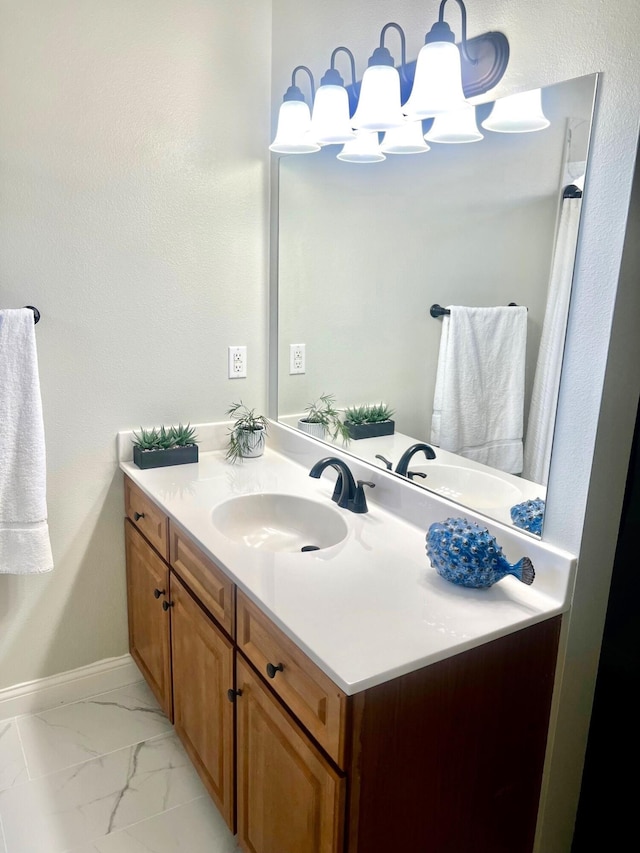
364	149
520	113
407	139
453	128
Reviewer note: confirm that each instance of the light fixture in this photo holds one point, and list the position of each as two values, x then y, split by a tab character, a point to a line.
379	101
363	149
459	126
439	81
293	135
407	139
330	119
437	84
519	113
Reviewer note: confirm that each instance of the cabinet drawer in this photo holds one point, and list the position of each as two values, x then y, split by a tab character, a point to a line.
207	582
146	516
310	694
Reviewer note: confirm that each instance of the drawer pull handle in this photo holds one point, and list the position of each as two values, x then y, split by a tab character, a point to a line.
137	516
231	694
158	592
166	605
272	670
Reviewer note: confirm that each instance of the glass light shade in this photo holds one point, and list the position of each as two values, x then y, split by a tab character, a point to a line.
293	134
330	121
437	85
379	101
520	113
407	139
459	126
363	149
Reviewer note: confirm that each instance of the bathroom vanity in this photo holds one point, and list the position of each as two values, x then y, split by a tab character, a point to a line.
344	700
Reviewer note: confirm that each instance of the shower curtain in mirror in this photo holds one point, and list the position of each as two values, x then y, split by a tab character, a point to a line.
544	397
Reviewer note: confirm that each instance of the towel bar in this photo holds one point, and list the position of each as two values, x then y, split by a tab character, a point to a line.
36	313
438	311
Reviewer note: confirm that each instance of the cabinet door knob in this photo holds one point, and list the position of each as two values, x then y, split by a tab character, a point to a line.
158	592
231	694
166	605
137	516
272	670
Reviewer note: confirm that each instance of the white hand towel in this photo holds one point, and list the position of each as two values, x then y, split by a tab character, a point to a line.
479	394
24	533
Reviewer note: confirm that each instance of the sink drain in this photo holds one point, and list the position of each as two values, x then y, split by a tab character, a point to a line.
310	548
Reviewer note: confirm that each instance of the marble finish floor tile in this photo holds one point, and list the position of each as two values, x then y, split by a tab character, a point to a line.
13	769
70	734
79	804
196	827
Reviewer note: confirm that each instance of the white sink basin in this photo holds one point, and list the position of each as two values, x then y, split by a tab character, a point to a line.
279	522
467	485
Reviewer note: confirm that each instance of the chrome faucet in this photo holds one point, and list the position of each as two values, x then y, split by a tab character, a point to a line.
403	464
346	493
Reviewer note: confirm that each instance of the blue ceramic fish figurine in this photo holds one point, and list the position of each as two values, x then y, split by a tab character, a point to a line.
468	555
529	515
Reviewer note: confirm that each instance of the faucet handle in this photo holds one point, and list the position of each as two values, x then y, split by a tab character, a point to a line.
388	465
359	503
412	474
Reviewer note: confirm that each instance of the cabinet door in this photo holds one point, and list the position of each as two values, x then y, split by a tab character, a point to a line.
290	799
147	590
203	714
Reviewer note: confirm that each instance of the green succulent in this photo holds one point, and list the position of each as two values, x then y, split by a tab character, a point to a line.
323	411
369	414
184	435
147	439
245	422
164	438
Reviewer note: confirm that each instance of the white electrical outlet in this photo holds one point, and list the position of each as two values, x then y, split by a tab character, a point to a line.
297	359
237	362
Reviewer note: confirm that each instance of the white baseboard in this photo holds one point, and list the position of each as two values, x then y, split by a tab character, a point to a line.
44	693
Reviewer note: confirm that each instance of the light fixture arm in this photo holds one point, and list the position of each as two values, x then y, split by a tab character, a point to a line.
293	93
382	53
332	75
441	31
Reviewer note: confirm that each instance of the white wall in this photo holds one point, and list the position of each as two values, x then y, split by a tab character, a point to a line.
133	214
550	40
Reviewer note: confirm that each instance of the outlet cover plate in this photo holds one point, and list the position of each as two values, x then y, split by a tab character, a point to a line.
237	362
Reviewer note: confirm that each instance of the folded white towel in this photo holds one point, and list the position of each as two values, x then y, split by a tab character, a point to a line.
24	533
479	394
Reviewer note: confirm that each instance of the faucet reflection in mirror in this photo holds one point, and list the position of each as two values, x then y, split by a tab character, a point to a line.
396	101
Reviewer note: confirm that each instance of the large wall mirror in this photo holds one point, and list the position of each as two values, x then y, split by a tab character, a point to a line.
365	250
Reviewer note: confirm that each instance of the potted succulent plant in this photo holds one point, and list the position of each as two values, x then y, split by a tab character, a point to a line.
247	435
322	418
369	421
160	446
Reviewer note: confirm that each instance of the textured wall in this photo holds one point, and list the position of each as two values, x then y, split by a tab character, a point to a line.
133	213
551	40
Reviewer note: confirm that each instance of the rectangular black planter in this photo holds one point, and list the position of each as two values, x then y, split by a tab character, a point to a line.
357	431
161	458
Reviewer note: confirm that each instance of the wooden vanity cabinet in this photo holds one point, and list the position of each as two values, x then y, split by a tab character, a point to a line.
446	759
290	798
202	659
149	623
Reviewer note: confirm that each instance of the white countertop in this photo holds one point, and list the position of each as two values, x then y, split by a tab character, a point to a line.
370	608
